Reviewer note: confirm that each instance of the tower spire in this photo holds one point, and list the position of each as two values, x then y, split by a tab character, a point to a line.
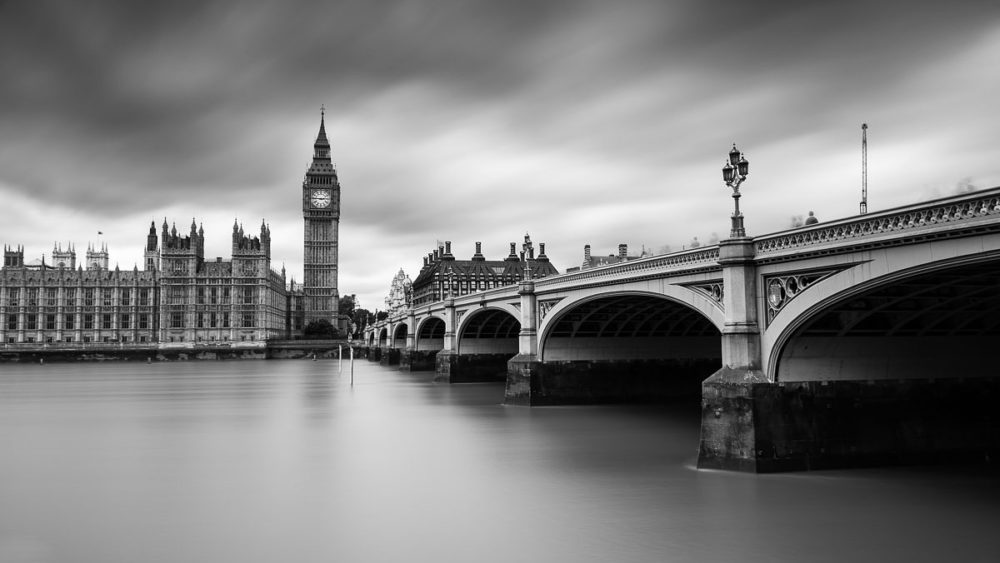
321	140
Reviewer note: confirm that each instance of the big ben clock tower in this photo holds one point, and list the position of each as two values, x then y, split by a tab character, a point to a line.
321	214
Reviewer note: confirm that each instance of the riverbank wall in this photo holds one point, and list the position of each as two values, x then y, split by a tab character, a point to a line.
274	350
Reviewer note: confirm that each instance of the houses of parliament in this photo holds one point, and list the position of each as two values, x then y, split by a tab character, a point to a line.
179	299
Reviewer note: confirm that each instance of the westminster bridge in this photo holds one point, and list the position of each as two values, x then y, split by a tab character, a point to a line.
867	340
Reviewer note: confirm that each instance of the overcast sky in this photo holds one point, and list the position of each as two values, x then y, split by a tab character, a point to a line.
600	122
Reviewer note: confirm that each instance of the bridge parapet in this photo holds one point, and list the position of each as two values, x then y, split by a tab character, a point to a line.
696	258
940	218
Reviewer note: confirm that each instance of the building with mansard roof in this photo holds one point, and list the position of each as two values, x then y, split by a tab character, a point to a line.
442	273
592	261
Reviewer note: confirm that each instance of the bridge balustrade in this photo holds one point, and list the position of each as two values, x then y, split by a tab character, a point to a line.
881	322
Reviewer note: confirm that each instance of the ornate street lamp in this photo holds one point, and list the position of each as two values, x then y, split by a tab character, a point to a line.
734	173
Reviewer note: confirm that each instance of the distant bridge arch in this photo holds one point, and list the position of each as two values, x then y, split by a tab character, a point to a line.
399	333
643	321
430	334
489	330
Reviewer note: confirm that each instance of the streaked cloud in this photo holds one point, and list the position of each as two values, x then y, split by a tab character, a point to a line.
581	122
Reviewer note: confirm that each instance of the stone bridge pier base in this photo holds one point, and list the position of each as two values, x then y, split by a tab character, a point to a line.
417	360
759	426
730	417
443	363
530	382
521	380
374	354
389	357
471	368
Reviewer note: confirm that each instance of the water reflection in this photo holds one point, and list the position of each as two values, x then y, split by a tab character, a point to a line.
269	461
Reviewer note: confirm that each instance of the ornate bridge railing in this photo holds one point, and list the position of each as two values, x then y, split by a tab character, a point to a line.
946	214
696	258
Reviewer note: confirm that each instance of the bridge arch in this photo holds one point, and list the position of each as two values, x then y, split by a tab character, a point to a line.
383	337
632	325
488	330
934	320
429	336
399	333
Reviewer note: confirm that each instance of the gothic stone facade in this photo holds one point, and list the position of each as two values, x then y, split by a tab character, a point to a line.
238	300
45	305
178	300
321	217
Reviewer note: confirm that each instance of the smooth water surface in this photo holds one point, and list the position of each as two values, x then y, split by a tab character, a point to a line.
271	461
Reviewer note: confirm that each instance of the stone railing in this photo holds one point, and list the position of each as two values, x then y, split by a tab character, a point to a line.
685	259
955	210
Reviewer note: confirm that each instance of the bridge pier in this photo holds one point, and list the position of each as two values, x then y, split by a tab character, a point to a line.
417	360
522	371
443	363
471	368
733	395
760	426
389	357
530	382
374	354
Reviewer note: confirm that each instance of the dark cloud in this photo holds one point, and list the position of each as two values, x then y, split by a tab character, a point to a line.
582	122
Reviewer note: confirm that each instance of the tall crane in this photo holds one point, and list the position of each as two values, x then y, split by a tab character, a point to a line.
864	168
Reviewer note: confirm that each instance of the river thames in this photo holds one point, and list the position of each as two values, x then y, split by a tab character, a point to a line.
265	461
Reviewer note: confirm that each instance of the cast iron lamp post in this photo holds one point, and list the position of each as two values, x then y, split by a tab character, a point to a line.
734	173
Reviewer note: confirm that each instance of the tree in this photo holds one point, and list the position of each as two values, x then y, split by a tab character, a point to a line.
347	304
360	320
321	329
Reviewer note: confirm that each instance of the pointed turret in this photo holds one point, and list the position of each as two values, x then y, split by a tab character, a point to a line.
151	241
321	163
321	140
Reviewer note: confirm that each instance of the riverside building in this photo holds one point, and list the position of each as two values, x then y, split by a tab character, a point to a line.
179	299
442	274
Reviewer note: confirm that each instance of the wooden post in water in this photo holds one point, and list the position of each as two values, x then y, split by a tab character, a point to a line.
340	358
352	366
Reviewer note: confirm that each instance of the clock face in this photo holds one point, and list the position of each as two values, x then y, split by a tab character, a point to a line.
320	198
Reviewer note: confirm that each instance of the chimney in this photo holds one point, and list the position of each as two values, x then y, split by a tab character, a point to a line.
622	251
586	254
425	261
447	248
512	257
479	252
437	254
